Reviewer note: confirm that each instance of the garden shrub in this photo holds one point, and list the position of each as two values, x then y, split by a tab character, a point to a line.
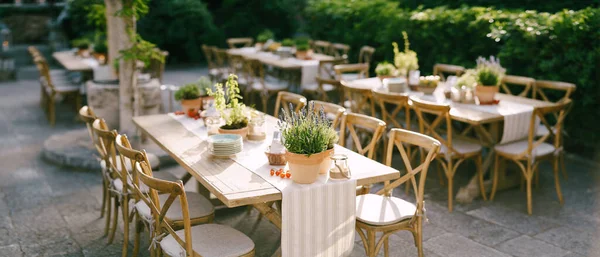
562	46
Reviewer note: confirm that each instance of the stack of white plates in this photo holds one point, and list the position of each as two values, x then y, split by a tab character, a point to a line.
225	144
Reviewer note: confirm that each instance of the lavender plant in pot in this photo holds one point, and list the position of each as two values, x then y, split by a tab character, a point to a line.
309	140
488	75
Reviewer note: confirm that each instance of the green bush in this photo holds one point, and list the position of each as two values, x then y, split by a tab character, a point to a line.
562	46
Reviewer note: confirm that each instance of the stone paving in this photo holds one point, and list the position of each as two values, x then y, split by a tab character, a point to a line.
47	210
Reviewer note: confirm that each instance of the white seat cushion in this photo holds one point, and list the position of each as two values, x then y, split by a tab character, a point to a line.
462	146
519	147
383	210
198	207
269	85
313	87
210	240
350	76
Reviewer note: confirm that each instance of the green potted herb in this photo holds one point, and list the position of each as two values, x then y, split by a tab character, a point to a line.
303	51
288	42
82	45
407	60
100	51
385	70
227	102
190	97
309	140
263	37
488	75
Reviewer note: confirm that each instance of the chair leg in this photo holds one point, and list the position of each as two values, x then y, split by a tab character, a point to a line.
108	213
139	226
371	243
104	195
564	166
495	177
386	247
111	237
419	236
125	210
51	111
480	175
450	176
528	181
556	180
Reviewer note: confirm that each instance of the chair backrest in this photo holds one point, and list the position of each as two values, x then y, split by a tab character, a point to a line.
287	100
526	83
339	50
557	115
553	91
366	54
130	160
88	116
174	190
326	70
442	119
106	146
398	103
353	121
210	56
399	139
220	57
441	70
236	63
321	47
360	99
333	111
240	42
33	51
253	71
362	69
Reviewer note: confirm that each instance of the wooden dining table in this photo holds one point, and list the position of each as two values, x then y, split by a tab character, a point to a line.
231	182
486	125
72	62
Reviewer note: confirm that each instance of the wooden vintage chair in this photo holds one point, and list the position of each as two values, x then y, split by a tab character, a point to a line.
287	100
215	73
528	154
325	81
454	150
366	54
321	47
259	85
442	70
334	112
240	42
356	99
526	83
201	210
381	212
55	90
221	60
398	116
165	198
339	50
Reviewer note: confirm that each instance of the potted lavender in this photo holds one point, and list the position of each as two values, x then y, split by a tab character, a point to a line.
488	75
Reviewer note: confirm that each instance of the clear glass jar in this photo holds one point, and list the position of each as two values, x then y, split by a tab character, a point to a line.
340	169
256	126
212	125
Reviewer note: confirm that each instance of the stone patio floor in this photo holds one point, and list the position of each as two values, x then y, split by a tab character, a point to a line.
47	210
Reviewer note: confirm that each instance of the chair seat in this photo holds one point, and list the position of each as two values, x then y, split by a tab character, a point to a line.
462	146
519	147
350	76
198	206
270	86
383	210
118	183
210	240
314	87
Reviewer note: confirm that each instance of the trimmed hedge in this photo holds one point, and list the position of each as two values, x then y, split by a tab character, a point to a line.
561	46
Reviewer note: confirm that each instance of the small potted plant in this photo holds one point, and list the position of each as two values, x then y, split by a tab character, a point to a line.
100	51
82	45
488	75
303	52
407	60
190	97
230	108
263	37
288	42
385	70
309	140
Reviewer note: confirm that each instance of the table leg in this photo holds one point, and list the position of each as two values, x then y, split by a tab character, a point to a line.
273	215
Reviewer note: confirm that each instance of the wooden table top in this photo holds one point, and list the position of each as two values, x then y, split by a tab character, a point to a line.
461	112
72	62
274	60
232	183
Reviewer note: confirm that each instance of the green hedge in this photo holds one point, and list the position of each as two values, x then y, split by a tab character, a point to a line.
559	46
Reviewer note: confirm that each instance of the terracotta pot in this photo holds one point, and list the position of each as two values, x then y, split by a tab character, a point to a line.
326	166
242	132
304	55
305	169
188	104
485	94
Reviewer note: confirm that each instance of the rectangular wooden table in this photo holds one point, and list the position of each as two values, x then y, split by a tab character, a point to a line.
230	182
71	62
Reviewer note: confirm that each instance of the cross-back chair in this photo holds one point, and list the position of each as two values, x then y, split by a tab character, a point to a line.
221	62
381	212
454	150
239	42
525	84
442	70
214	71
326	80
202	211
321	47
165	197
529	153
339	50
400	109
55	90
285	99
366	54
333	112
258	85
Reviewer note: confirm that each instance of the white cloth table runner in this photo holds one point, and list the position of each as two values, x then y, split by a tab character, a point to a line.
317	219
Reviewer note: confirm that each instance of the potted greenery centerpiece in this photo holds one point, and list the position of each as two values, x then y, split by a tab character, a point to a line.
488	75
230	109
263	37
385	70
309	140
190	97
288	42
82	45
303	52
100	51
407	60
